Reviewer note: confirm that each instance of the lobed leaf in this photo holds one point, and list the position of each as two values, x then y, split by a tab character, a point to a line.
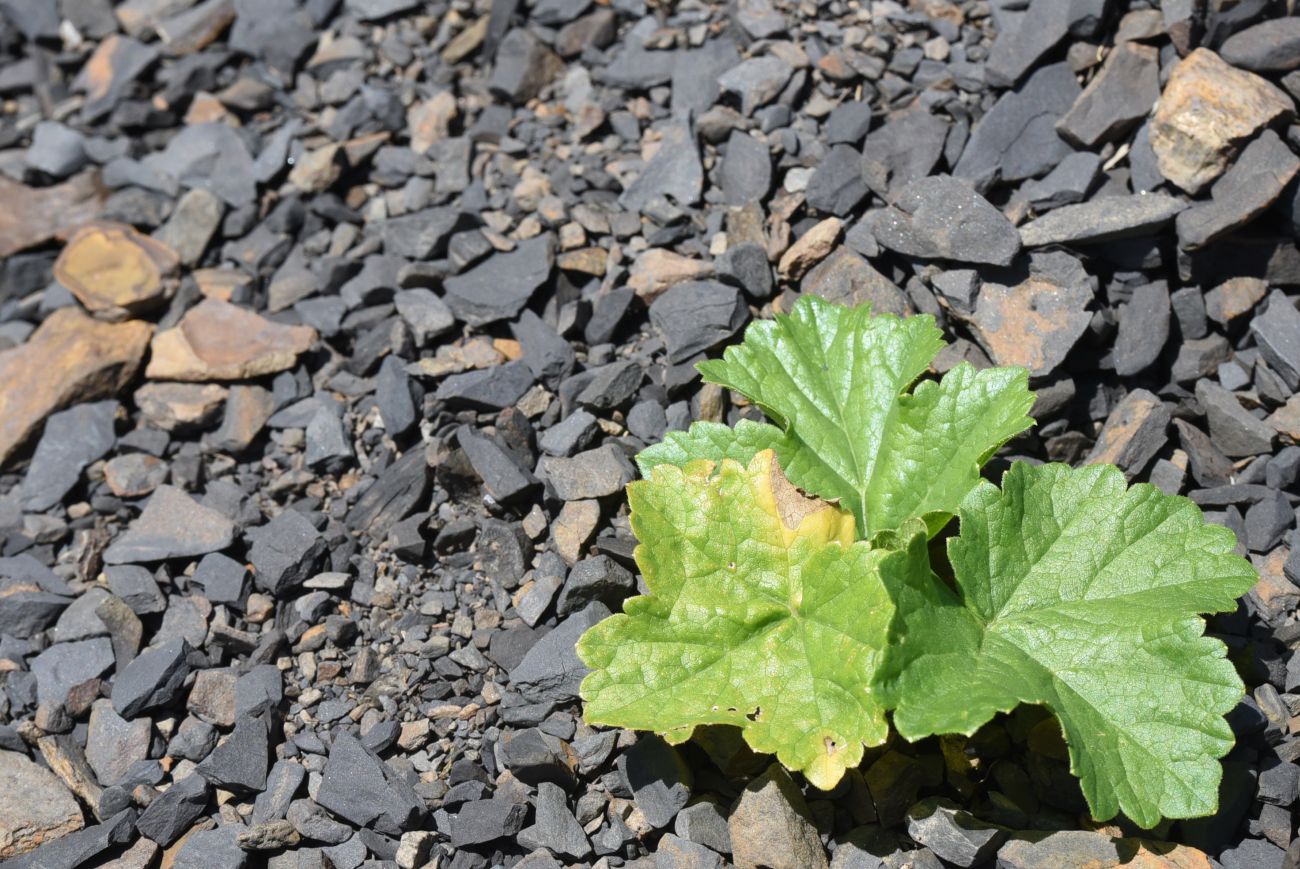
834	380
1076	592
762	612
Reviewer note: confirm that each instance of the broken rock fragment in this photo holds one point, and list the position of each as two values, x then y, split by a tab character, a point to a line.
216	340
115	271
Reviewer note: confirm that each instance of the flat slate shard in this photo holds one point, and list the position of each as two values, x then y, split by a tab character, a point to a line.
279	32
756	81
1276	330
1272	45
72	439
905	148
400	488
659	779
494	388
172	525
35	807
422	235
1242	193
524	65
1103	219
70	358
170	815
1017	138
696	316
837	185
152	680
771	826
33	215
109	73
941	217
499	288
952	833
1036	321
1020	45
1208	109
551	670
64	666
1143	329
503	477
1089	848
746	169
359	787
675	170
1120	96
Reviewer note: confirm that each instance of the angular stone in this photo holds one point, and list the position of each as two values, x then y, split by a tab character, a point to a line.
113	743
192	223
837	185
1207	110
483	821
180	407
696	316
941	217
1118	97
35	807
216	340
1070	182
675	170
153	680
905	148
86	847
170	815
1233	429
172	525
499	288
1035	323
746	169
1272	45
33	215
72	439
810	248
756	81
358	786
554	827
1276	331
247	410
504	479
240	762
109	73
592	474
551	670
1017	138
285	552
1097	851
1133	433
524	65
1234	298
771	826
115	271
494	388
426	314
574	527
952	833
848	279
422	235
1242	193
655	270
64	666
1103	219
70	358
56	149
280	32
1143	329
660	781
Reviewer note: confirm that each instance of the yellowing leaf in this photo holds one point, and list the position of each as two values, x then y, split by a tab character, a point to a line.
762	612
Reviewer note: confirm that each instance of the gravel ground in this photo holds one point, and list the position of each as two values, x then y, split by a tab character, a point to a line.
330	327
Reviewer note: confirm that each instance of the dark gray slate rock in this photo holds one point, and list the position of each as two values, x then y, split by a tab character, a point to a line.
26	608
1143	329
837	185
705	824
696	316
63	666
941	217
422	235
757	81
598	578
494	388
426	314
660	781
546	354
56	149
170	815
952	833
745	265
113	743
1232	428
770	825
359	787
240	763
499	288
1068	183
278	31
285	552
502	475
217	848
524	65
1272	45
400	488
1103	219
570	435
1017	138
551	670
1276	330
848	123
595	473
695	74
534	756
905	148
555	828
746	169
224	580
483	821
172	525
314	823
137	587
1239	195
675	171
152	680
1119	97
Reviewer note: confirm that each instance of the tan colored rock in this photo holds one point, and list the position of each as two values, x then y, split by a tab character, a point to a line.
1286	419
573	528
115	271
134	475
32	215
1096	850
1207	111
216	340
35	807
430	120
180	406
587	260
1235	297
70	358
811	248
316	170
655	270
222	283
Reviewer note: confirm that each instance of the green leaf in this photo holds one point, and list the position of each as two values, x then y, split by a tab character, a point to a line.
713	441
834	380
762	613
1076	592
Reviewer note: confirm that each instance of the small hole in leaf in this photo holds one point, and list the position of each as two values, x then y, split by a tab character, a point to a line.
756	714
731	565
831	748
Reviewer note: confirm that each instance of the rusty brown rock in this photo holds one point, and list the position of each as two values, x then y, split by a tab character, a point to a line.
1207	111
574	527
655	270
1286	420
1134	432
35	807
1035	322
134	475
115	271
33	215
811	248
1096	850
70	358
180	406
1234	297
846	278
430	120
216	340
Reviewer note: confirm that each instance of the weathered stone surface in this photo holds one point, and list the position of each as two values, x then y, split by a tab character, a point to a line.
953	833
697	316
180	406
941	217
35	807
1035	321
499	288
70	358
771	827
33	215
1134	432
1242	193
811	248
109	73
172	525
115	271
360	787
1120	95
72	439
1097	851
655	270
216	340
1272	45
1208	109
1104	219
675	170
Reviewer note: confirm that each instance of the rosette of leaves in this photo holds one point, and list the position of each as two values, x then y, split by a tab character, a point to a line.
791	591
